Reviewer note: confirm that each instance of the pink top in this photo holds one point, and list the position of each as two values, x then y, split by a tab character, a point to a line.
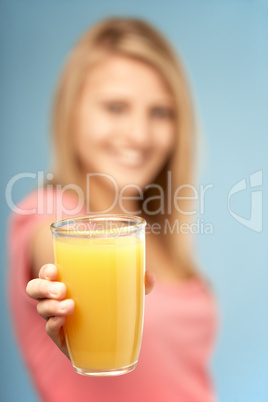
179	330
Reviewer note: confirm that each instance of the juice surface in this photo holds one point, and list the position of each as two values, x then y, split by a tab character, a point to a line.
105	278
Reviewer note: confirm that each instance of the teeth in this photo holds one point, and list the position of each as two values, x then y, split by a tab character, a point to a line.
131	156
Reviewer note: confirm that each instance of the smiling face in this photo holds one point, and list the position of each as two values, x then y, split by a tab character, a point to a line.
125	122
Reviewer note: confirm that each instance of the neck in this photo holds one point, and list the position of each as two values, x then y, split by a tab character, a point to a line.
103	197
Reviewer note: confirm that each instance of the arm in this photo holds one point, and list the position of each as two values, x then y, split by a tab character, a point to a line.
41	248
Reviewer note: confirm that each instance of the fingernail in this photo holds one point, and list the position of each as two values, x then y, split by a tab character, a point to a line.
65	304
48	271
54	290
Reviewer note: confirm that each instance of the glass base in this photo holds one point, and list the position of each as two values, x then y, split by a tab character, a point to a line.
106	373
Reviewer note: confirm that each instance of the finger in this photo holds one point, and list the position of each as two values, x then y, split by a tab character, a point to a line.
55	331
48	308
149	282
49	272
44	289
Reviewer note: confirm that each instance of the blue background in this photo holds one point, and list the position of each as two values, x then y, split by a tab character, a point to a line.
224	45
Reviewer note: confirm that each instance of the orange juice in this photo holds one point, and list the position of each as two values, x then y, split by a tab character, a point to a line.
105	278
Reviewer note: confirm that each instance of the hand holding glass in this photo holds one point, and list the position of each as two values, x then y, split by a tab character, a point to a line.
101	260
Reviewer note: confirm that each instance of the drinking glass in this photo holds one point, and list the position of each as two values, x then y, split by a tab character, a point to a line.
101	260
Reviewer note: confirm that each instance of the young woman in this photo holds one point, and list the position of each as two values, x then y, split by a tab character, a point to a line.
123	132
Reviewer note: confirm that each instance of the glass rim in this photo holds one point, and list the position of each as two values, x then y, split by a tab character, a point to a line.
62	226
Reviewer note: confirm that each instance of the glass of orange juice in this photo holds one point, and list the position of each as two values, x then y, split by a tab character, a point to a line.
101	260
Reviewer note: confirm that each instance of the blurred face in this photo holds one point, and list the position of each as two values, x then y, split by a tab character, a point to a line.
125	123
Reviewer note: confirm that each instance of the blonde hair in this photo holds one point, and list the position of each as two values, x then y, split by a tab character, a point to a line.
136	39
